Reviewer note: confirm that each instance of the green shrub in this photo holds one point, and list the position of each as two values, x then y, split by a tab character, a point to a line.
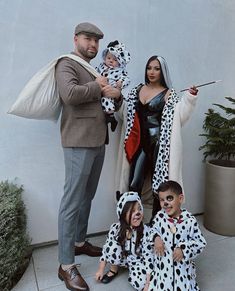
14	240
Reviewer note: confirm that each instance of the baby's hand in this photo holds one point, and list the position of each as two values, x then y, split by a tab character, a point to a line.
159	246
119	84
178	255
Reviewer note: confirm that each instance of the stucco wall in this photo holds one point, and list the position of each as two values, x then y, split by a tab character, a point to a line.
195	36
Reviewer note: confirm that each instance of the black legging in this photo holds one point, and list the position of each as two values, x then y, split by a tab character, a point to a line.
140	166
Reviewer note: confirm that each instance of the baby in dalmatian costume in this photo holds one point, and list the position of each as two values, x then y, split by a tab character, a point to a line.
128	245
177	241
115	58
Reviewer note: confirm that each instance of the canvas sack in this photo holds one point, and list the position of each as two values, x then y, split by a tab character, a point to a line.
39	99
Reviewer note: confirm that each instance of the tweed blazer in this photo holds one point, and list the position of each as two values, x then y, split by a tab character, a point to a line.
83	120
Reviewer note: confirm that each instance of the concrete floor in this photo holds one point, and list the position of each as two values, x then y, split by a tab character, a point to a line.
215	268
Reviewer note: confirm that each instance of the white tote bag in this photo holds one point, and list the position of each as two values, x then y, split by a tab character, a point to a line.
39	99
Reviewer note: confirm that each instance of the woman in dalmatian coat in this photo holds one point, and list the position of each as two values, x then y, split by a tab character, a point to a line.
177	240
127	244
155	115
115	58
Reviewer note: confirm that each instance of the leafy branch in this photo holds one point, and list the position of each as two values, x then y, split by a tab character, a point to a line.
219	132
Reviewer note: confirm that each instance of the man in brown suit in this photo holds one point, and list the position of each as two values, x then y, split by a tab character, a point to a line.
83	135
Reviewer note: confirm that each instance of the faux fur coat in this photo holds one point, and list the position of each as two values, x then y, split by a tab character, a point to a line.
182	112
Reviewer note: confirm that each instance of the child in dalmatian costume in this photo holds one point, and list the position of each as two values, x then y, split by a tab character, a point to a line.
127	244
115	58
177	241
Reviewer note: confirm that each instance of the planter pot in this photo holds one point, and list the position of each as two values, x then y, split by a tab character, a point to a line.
219	215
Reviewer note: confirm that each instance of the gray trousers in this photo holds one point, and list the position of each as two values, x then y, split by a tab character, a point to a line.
82	172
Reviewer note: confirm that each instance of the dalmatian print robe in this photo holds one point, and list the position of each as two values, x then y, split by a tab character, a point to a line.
175	114
138	264
113	75
176	276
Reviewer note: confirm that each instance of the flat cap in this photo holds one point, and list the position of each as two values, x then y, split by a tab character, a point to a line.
88	28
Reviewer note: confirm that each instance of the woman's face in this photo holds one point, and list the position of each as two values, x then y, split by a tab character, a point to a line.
154	73
136	216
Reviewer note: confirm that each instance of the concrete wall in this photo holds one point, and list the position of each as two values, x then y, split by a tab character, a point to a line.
195	36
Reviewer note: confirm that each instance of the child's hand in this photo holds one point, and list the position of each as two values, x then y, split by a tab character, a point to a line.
178	255
146	286
159	246
99	274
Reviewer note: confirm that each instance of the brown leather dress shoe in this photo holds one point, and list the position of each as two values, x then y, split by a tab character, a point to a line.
88	249
73	279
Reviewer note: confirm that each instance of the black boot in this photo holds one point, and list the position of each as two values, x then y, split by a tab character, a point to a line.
111	119
113	124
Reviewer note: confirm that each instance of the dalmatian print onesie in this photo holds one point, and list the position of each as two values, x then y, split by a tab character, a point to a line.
176	276
114	74
139	264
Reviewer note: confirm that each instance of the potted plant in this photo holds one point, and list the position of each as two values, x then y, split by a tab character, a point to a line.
219	133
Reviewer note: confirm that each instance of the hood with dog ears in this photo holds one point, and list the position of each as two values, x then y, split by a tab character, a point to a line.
127	197
118	49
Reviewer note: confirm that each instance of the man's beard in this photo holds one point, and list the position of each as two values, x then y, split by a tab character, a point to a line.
86	54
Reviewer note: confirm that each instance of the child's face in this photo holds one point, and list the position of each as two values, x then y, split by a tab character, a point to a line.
136	215
111	61
171	203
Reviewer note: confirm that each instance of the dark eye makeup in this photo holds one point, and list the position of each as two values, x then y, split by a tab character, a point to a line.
169	197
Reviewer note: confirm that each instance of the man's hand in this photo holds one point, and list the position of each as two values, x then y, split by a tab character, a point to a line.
110	92
159	246
102	81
